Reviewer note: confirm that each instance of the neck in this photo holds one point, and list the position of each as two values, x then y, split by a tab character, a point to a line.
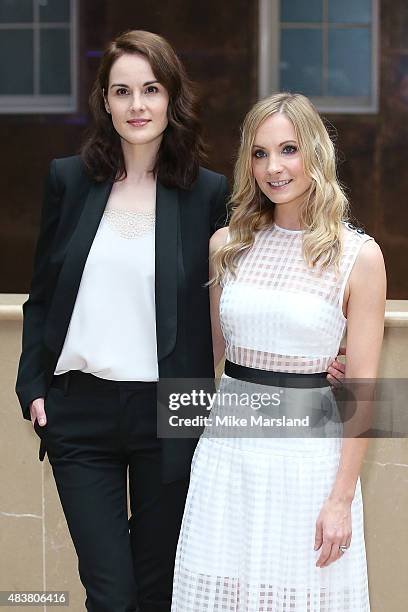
140	160
287	217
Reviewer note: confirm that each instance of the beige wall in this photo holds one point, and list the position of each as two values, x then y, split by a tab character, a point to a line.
37	553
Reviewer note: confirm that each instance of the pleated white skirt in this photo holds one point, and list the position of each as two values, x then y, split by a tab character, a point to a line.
247	536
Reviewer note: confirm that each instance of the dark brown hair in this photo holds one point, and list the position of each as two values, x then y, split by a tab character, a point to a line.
181	149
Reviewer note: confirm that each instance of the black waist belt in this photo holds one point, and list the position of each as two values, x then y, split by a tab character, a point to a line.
276	379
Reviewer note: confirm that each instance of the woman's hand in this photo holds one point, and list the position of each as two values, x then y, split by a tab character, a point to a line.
333	529
37	412
336	370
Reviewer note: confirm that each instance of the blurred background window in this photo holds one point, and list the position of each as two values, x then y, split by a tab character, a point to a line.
326	49
38	54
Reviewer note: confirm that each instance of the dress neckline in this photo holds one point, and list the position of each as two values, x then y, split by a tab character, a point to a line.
288	231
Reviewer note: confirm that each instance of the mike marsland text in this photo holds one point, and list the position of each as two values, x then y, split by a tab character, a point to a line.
256	420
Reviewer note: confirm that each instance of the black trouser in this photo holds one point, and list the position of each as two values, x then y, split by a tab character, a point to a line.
96	430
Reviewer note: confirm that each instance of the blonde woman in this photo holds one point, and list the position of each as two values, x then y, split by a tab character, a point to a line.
274	524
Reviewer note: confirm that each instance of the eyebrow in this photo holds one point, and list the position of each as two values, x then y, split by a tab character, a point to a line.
124	85
279	145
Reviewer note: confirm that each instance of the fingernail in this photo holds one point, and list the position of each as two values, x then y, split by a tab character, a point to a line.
42	421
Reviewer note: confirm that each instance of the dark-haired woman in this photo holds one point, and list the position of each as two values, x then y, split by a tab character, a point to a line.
118	299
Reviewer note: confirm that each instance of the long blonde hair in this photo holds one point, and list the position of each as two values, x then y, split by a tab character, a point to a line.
325	205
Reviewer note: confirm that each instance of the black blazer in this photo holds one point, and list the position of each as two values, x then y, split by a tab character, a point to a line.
185	219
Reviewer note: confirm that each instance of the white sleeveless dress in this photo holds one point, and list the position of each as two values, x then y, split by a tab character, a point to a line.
247	537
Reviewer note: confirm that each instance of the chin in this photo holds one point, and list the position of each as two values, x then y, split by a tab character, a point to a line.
138	141
279	197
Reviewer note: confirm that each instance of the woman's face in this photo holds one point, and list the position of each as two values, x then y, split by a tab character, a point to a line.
277	163
137	102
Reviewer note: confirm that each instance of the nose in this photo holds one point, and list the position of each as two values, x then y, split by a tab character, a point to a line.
137	102
274	164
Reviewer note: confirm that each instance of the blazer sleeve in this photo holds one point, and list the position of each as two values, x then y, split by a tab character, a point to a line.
219	211
31	382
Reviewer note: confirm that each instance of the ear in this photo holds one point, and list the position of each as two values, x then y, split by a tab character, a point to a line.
105	101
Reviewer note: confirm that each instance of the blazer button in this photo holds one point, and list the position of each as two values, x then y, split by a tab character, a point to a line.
351	226
360	230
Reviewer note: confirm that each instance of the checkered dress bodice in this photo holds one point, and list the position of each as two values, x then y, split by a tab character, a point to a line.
277	313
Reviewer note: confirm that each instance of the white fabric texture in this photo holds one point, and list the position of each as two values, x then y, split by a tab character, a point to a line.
112	332
247	536
279	314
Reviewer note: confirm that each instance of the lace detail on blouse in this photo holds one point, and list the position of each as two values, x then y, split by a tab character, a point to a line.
277	313
130	224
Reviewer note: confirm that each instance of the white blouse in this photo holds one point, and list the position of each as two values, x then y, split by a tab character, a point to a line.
112	333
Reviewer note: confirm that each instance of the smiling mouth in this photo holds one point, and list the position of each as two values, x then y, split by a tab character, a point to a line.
279	183
138	122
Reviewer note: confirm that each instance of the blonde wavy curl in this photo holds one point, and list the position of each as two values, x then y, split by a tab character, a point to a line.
325	206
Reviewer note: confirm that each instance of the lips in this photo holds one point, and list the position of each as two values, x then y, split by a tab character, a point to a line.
279	184
138	122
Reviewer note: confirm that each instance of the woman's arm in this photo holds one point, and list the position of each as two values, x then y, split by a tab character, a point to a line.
365	328
219	212
217	240
30	379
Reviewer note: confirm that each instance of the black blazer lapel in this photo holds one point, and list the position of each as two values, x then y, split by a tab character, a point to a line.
167	241
71	272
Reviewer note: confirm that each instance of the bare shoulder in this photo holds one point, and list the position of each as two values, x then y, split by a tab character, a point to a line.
370	257
218	239
369	268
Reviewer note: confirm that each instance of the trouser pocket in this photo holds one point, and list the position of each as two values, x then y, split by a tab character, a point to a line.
41	431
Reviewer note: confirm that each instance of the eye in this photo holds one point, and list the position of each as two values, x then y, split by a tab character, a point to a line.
289	149
151	89
121	91
259	153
